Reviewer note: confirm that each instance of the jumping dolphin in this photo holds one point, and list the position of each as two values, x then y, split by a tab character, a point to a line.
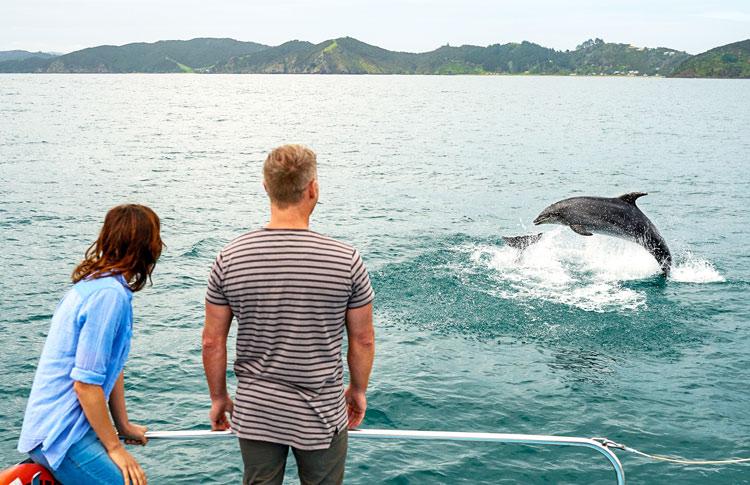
618	217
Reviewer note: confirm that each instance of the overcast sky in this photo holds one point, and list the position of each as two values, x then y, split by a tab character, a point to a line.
407	25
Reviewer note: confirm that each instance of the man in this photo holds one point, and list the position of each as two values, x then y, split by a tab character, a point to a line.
292	291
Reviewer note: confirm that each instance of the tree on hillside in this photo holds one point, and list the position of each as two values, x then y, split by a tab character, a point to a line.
590	43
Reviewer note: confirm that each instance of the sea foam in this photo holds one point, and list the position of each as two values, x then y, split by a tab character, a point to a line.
692	269
589	273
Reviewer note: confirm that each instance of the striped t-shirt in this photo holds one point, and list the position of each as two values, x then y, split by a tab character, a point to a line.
289	291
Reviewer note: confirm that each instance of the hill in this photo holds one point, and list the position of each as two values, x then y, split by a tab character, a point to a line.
599	57
17	55
162	56
350	56
346	55
511	58
339	56
728	61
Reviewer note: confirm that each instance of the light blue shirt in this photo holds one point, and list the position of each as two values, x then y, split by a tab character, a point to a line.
88	341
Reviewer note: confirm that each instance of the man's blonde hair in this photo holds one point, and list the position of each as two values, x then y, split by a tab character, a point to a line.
287	172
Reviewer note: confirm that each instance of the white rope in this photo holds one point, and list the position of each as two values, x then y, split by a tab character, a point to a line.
683	461
669	459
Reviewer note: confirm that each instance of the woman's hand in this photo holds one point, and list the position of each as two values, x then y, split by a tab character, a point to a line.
133	434
218	414
131	470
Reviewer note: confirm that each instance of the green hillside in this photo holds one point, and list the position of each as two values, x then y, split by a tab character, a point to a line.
162	56
512	58
350	56
338	56
449	60
728	61
29	64
598	57
523	58
17	55
274	60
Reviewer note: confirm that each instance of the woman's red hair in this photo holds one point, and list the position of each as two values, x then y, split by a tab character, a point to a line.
129	244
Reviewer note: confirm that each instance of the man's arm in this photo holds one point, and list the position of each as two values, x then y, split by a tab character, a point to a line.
361	337
215	332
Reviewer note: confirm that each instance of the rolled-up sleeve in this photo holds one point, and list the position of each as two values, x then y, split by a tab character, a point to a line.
101	316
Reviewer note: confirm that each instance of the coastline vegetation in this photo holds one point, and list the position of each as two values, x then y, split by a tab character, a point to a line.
347	55
728	61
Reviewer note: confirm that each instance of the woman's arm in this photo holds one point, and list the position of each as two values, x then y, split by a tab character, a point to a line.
134	434
94	404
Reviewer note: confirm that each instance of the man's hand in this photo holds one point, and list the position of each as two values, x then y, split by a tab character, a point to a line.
131	470
356	404
218	414
133	434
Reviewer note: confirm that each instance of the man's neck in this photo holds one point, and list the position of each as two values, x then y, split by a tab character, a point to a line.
293	217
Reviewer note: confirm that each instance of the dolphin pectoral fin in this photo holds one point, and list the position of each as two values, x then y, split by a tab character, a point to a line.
631	197
579	229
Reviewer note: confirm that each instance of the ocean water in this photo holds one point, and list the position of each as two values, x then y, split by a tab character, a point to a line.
575	336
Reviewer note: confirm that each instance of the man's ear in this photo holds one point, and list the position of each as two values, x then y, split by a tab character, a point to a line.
312	189
264	187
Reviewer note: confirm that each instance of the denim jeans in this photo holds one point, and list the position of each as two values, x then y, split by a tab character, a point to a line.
86	462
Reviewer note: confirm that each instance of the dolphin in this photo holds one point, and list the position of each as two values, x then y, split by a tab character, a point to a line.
618	217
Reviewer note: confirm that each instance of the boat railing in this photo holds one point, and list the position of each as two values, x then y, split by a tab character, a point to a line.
598	444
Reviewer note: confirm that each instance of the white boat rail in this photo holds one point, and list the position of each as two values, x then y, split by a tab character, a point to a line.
598	444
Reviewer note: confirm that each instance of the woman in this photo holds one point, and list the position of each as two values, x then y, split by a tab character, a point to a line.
67	427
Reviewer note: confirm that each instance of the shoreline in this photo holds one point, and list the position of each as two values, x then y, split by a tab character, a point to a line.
487	74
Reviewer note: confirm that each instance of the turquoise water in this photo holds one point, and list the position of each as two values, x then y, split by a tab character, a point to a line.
577	336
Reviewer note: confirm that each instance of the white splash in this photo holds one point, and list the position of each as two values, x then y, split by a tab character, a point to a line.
583	272
695	270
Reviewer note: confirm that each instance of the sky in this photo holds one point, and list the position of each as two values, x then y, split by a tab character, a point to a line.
404	25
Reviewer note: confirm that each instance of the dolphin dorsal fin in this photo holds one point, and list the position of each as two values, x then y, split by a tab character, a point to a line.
631	197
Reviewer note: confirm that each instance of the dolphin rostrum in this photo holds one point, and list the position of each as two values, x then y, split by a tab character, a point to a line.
618	217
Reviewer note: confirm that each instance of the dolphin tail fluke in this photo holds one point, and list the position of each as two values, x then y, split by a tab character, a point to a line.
522	242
